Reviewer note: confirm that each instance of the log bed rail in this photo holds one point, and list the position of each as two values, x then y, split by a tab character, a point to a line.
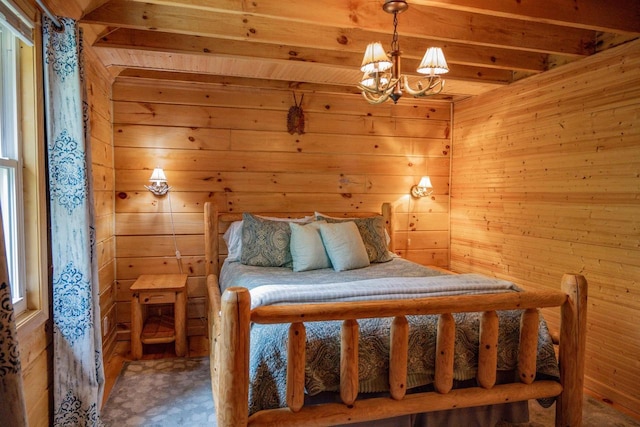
230	318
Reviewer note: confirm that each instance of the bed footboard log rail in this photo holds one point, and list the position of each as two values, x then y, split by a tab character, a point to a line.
415	306
573	316
233	356
383	407
398	354
488	349
445	349
296	359
349	383
528	347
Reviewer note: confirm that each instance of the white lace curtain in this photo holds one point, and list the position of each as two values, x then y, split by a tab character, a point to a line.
77	358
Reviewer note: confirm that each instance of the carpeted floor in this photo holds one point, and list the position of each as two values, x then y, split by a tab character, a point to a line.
177	392
161	393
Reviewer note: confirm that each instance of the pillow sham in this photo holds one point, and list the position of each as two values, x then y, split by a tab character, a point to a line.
373	235
307	249
265	243
344	245
233	236
304	220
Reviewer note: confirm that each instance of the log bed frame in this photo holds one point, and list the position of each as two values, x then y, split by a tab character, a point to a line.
230	318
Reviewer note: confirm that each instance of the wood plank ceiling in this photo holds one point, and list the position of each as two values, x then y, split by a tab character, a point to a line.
318	45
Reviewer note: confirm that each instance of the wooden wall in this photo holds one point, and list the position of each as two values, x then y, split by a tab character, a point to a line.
546	180
102	170
233	142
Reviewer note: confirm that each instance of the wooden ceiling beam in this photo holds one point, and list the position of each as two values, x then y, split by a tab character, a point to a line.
203	47
132	74
621	17
596	15
268	69
456	26
480	57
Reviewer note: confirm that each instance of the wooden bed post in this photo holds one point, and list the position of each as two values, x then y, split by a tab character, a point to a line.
213	303
233	384
211	254
387	214
573	330
213	322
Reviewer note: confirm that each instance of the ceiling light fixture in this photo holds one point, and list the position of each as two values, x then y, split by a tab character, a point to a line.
382	77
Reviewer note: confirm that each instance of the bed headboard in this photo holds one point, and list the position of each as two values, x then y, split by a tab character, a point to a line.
216	222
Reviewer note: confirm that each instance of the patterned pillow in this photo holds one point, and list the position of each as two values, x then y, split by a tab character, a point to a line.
233	236
373	235
265	243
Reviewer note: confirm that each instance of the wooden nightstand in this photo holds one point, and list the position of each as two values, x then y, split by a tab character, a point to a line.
159	289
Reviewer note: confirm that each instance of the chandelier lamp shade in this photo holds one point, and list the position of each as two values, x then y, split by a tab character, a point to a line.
382	77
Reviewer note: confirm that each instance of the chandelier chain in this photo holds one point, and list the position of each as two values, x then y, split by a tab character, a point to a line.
395	45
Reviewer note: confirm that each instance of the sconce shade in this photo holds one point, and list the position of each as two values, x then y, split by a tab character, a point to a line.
433	62
375	59
158	176
425	182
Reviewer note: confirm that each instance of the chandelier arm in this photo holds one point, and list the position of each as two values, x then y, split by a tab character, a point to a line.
378	90
370	90
434	82
373	100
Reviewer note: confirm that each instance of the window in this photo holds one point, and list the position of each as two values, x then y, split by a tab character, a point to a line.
22	166
11	190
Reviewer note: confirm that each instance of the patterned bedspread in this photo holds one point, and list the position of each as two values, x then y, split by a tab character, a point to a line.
385	281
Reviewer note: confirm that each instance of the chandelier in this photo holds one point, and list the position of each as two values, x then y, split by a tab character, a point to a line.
382	77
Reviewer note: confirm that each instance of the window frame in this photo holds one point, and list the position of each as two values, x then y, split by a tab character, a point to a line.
13	213
33	180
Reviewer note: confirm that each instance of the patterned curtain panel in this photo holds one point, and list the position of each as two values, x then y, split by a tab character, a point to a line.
12	408
78	371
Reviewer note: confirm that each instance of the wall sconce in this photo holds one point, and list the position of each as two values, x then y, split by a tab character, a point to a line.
423	189
158	185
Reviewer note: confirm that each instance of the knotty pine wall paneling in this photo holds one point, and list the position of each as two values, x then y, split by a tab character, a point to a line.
546	180
99	83
232	143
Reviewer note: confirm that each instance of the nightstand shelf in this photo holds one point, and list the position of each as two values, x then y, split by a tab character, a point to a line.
154	289
158	330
